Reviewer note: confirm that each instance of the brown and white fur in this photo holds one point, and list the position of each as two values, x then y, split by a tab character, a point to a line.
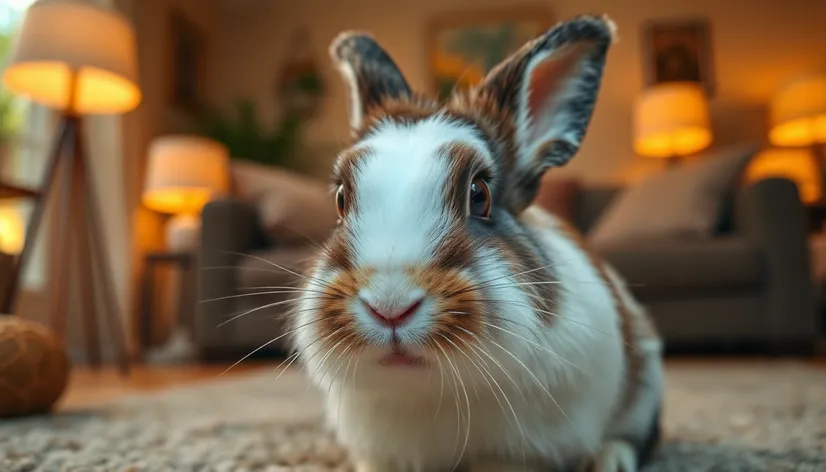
524	352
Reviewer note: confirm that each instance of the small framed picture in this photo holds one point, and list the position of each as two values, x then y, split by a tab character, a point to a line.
187	63
464	45
678	51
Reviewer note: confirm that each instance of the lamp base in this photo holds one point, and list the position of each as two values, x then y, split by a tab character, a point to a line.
183	233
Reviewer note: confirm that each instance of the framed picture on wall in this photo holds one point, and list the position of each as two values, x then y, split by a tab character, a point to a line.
464	45
187	63
678	51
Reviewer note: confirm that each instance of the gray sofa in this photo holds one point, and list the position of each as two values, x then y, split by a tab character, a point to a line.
747	287
232	285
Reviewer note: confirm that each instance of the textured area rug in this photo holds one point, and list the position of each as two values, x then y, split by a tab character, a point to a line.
726	418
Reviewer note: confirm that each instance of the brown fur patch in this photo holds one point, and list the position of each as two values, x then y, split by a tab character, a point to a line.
399	110
455	250
452	293
334	320
339	251
494	122
462	160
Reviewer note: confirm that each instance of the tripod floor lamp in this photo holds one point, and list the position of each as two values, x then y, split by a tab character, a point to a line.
80	59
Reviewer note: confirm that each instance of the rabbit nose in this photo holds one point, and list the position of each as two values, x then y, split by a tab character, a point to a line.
393	316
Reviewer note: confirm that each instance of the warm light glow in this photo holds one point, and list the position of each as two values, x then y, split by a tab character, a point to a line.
797	165
12	231
671	120
184	173
798	113
62	39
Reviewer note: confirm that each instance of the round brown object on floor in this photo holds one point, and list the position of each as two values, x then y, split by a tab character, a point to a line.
34	367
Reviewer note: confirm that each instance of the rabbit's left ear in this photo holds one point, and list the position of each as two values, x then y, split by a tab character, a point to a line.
548	89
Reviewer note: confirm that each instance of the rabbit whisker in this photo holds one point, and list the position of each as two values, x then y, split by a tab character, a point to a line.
265	345
329	352
297	274
318	339
464	354
458	378
538	346
243	295
321	362
281	287
264	307
486	367
538	383
343	384
441	385
292	312
340	365
498	364
467	402
514	302
291	359
355	370
484	283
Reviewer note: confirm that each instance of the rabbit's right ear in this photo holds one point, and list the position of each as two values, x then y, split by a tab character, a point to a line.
370	74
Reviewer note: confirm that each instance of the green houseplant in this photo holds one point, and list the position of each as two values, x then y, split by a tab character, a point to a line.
247	138
10	115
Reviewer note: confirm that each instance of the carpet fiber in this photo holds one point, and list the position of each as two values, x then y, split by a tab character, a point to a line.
718	417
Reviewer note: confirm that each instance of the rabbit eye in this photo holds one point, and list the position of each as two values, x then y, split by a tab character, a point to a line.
341	201
479	199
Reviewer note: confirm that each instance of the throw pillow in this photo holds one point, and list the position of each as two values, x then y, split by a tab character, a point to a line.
557	194
302	215
682	202
293	209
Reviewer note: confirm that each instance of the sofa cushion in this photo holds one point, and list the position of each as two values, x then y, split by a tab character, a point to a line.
293	209
688	267
683	202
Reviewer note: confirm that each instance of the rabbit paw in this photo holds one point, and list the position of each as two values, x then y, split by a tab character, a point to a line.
614	456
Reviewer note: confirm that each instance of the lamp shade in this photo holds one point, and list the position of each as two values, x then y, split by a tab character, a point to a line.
75	55
795	164
798	113
184	173
671	119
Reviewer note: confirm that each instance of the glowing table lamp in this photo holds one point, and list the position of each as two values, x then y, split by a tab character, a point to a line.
184	173
671	120
798	118
795	164
79	58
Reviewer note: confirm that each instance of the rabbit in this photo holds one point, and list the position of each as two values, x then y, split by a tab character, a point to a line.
450	323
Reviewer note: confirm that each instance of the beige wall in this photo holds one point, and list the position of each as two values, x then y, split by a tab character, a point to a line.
757	47
155	116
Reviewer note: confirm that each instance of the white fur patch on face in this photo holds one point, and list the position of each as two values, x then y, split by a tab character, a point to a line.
401	213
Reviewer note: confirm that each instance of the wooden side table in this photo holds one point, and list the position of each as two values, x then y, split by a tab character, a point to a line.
817	254
185	262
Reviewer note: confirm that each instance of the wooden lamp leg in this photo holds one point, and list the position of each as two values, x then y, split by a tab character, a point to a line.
67	126
100	260
61	246
86	276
